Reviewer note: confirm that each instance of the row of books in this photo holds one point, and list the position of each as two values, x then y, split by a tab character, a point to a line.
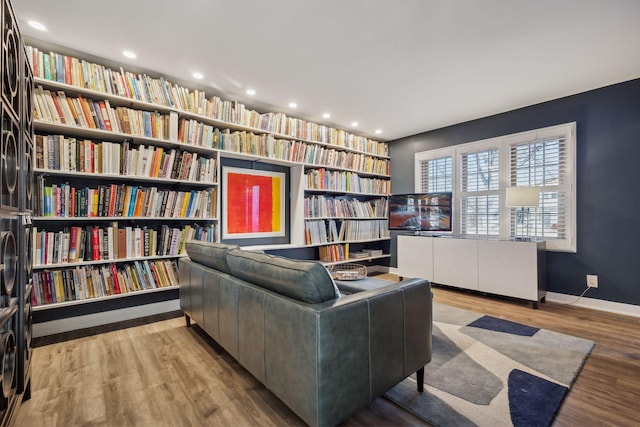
301	152
337	253
366	230
333	253
94	281
340	207
261	144
322	179
93	243
327	231
58	152
76	72
65	200
310	131
319	155
87	113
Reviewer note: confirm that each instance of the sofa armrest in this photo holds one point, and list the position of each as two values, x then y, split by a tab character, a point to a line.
359	295
400	318
357	346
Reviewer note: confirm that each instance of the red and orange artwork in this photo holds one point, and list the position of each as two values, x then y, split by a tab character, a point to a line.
254	203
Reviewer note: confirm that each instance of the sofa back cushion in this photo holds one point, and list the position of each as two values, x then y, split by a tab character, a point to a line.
306	281
210	254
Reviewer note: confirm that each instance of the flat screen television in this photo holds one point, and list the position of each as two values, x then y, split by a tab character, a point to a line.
420	212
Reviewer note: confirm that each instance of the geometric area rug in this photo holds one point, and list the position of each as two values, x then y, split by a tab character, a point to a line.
487	371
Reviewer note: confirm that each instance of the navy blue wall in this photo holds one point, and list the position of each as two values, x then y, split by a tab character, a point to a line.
608	182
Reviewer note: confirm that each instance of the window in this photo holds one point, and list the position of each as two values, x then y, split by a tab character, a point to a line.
436	174
543	164
480	193
478	173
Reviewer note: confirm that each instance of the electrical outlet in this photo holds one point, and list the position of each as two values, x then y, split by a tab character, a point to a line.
592	280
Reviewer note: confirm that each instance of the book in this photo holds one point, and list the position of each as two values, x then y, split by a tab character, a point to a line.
96	245
162	274
132	200
109	243
173	126
73	244
122	243
113	193
137	249
116	282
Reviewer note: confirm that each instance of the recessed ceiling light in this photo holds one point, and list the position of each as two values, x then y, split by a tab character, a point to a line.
354	124
198	75
326	115
38	26
251	92
293	105
378	131
129	54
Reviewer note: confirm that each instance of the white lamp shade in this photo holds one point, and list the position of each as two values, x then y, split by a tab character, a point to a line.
523	197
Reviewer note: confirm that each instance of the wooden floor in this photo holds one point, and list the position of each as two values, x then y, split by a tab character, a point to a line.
164	374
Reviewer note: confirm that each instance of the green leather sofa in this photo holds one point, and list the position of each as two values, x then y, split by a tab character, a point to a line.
325	355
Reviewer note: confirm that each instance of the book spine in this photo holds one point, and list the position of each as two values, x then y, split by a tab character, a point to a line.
95	243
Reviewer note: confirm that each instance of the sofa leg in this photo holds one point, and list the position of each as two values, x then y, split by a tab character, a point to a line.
187	319
420	379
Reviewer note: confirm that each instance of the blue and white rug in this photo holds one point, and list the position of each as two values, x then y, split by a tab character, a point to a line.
487	371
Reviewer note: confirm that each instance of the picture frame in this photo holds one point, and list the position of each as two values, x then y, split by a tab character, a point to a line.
253	203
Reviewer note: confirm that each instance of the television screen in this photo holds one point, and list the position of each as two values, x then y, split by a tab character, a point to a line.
420	211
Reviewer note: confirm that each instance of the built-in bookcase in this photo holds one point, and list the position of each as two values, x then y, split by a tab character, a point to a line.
127	170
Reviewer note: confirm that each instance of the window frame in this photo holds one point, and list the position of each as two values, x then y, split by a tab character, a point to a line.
503	144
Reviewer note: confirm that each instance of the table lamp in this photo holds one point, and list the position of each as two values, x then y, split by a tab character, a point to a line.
523	197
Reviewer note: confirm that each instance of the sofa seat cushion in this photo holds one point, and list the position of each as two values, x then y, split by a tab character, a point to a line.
306	281
213	255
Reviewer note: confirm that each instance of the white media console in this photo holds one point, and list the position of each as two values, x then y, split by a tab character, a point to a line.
512	268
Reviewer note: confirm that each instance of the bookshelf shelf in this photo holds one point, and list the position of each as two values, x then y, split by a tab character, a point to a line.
86	132
341	242
96	299
342	193
357	260
338	168
119	218
105	261
109	176
256	158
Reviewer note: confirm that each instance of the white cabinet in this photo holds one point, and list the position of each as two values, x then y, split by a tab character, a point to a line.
512	268
455	262
502	267
415	257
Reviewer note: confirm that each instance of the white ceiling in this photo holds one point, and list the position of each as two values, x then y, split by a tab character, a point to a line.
403	66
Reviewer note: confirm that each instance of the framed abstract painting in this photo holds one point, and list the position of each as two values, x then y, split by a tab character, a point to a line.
253	203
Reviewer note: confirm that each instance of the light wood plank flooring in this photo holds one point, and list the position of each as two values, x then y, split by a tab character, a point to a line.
164	374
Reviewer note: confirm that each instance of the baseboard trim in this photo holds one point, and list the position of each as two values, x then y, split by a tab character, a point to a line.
103	318
595	304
